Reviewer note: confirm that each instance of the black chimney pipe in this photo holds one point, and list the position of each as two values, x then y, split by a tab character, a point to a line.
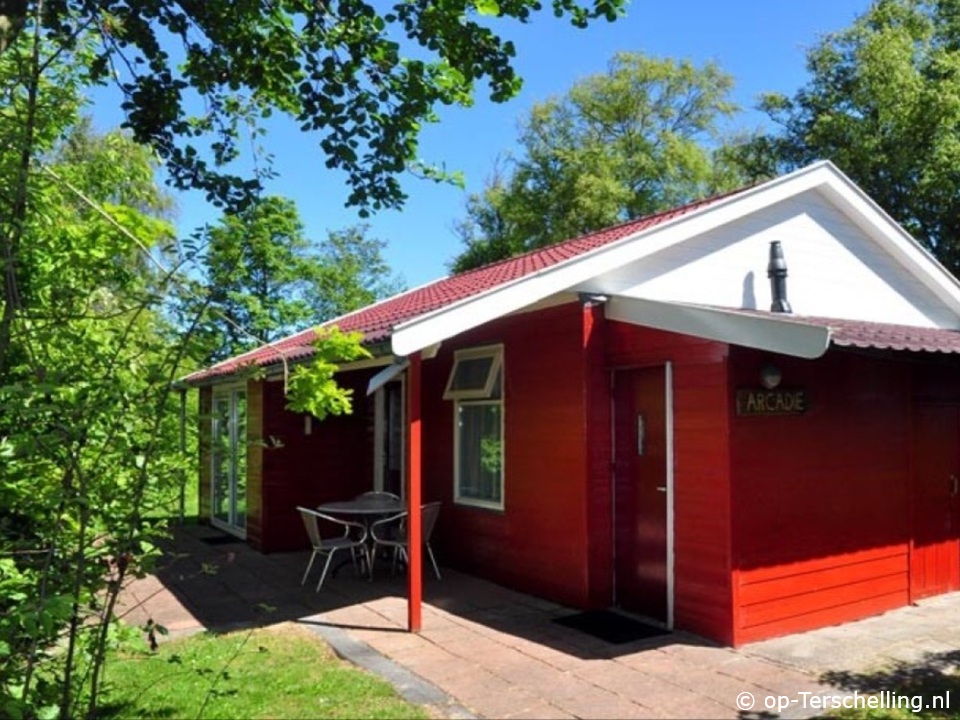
777	272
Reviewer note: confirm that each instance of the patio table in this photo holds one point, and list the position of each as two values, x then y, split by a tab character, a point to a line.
367	510
364	506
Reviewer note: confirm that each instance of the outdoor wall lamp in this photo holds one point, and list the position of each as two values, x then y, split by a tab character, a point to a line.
770	376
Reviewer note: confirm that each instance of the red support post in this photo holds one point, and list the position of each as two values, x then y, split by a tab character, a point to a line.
414	495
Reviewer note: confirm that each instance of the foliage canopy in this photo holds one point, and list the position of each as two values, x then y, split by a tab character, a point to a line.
883	103
618	145
364	80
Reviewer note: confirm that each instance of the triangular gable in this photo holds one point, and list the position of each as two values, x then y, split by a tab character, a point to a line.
835	268
933	285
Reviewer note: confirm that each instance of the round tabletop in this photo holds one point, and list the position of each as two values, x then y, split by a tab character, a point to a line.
363	506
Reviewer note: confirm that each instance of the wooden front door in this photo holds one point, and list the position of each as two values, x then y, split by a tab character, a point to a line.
640	492
935	555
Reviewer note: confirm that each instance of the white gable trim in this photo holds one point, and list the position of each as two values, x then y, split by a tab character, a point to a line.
775	334
878	225
448	321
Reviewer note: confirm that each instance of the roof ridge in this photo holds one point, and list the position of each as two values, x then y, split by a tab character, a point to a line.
606	229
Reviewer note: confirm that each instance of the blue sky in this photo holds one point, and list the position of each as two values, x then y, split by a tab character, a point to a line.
761	43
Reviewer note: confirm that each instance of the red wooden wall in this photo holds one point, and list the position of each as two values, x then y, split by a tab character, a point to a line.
702	593
540	543
333	462
821	510
598	491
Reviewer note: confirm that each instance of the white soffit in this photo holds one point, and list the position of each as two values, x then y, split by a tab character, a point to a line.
763	333
385	376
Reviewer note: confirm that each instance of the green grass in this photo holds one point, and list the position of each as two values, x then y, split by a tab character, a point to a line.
284	671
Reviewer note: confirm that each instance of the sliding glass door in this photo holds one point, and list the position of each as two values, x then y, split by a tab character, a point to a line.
229	460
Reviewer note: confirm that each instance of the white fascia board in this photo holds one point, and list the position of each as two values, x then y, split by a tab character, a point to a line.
762	333
472	312
385	376
911	255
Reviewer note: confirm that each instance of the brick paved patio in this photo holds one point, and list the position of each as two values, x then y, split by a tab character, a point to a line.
494	652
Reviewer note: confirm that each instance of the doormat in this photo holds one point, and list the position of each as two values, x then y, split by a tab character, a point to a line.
221	540
611	627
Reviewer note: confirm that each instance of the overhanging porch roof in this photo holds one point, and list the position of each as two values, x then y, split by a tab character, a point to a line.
796	335
730	326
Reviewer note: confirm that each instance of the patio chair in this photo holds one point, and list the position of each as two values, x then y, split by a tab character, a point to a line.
354	538
391	532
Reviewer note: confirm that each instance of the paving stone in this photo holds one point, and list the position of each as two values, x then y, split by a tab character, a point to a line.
700	655
541	709
555	658
589	701
487	694
769	676
391	642
636	686
531	674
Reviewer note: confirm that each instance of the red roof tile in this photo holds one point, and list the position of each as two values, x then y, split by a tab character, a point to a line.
883	336
872	335
377	321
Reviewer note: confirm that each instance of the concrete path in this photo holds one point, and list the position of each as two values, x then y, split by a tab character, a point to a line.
486	651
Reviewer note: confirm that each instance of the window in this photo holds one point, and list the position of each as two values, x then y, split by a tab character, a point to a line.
228	459
474	374
475	386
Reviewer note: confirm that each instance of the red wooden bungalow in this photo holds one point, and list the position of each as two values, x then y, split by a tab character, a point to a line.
620	420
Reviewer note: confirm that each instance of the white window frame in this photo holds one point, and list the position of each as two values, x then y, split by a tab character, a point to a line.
379	433
492	351
475	397
237	445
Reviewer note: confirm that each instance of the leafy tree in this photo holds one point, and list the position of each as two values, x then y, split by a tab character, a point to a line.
883	103
197	76
266	279
352	273
619	145
84	405
259	272
97	160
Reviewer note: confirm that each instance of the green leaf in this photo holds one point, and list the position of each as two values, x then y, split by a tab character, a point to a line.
487	7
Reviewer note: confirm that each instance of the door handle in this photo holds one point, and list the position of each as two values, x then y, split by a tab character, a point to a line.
953	485
663	488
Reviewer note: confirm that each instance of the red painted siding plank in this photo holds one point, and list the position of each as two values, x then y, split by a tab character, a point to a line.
820	532
334	461
821	618
778	589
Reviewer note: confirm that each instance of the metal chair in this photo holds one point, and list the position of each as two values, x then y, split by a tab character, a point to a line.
354	537
391	532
